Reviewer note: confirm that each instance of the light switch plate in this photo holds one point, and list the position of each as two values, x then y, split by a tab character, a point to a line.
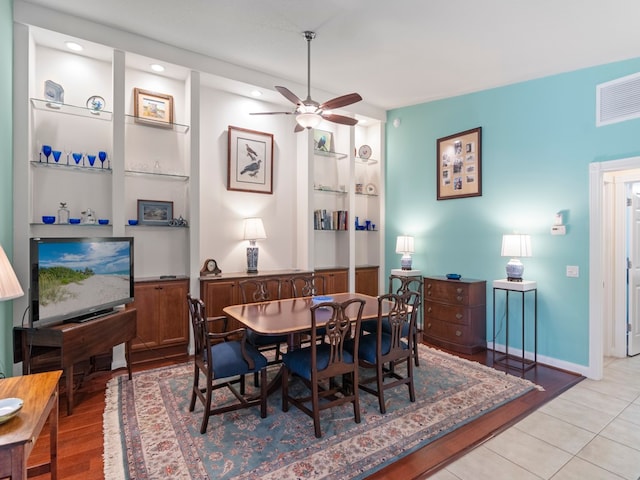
573	271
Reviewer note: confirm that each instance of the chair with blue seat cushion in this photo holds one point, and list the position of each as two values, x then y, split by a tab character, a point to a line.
400	285
224	359
384	350
263	290
308	286
319	365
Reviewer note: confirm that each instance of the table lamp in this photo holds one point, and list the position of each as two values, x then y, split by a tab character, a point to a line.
9	285
404	245
253	230
515	246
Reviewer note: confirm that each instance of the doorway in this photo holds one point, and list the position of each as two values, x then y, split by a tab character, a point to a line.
608	183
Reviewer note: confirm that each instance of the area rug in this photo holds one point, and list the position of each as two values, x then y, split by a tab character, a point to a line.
149	432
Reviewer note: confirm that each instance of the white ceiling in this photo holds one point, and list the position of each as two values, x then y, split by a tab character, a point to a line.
393	52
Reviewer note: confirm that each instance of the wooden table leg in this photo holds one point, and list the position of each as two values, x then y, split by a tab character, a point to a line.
127	356
53	442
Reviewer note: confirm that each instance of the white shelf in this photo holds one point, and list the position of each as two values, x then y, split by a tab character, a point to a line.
322	153
63	166
158	175
48	106
176	127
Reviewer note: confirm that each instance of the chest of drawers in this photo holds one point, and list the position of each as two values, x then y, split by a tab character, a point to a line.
455	314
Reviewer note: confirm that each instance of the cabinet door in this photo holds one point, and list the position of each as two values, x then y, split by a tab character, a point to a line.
146	305
335	281
219	294
173	321
367	281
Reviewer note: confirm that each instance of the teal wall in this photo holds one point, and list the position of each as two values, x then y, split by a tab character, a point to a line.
6	178
538	138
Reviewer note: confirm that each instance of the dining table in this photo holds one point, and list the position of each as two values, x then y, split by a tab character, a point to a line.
292	317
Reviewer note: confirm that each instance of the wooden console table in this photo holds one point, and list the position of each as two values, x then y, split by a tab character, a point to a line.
75	342
39	392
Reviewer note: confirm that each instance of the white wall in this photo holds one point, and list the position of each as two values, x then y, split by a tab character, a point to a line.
222	211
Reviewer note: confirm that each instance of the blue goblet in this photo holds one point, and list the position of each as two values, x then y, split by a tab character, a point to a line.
92	159
77	157
56	155
102	155
46	149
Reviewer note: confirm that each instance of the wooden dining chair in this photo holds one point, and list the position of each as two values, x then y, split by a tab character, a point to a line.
224	359
319	365
385	349
307	285
401	285
263	290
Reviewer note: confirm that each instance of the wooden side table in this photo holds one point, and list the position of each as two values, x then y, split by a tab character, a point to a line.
39	393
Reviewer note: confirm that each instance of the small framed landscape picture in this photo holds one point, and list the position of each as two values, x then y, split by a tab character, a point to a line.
322	141
154	212
459	165
153	108
250	161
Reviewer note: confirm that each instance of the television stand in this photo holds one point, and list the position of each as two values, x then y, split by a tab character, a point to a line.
74	342
87	317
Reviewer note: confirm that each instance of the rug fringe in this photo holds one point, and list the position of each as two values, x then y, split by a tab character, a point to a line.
113	446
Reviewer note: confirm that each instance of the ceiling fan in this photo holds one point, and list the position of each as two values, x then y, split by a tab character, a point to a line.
310	113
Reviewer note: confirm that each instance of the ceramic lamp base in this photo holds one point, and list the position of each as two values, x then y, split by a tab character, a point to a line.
252	259
405	262
515	269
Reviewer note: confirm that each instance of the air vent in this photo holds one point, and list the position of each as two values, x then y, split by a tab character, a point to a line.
618	100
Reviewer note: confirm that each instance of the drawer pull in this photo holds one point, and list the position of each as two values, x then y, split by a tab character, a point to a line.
459	316
429	310
459	290
428	285
458	333
429	293
428	325
459	298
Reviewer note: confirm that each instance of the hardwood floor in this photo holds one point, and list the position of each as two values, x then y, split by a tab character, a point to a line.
80	446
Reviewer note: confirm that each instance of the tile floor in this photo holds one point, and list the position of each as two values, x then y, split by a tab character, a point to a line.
591	431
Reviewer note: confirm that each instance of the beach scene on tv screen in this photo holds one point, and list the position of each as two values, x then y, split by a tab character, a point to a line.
76	276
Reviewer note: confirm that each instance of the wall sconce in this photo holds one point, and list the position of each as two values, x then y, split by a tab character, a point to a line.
9	286
253	230
404	245
515	246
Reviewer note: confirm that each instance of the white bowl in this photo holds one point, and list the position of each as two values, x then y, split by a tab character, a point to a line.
9	407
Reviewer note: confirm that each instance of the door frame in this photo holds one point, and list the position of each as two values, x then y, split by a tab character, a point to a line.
602	280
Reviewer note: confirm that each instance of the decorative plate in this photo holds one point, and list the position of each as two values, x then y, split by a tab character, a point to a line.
96	103
371	189
9	407
364	152
53	91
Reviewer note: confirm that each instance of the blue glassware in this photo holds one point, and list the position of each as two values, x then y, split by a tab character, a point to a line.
77	157
46	149
102	155
56	155
92	159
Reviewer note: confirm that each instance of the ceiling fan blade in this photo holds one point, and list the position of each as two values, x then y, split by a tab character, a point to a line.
342	101
289	95
332	117
271	113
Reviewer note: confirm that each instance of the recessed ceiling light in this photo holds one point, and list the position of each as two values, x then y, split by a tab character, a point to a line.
256	93
74	46
157	67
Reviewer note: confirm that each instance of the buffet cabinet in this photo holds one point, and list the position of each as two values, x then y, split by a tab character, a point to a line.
337	280
455	314
162	320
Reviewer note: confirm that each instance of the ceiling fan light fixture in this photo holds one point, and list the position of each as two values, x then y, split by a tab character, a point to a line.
308	120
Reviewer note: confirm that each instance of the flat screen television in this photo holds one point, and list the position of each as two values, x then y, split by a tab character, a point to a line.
77	279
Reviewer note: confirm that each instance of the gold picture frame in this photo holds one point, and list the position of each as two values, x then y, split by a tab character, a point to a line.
153	108
459	165
250	161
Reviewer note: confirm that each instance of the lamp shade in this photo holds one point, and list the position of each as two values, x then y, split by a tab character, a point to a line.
9	285
254	229
516	246
404	244
308	120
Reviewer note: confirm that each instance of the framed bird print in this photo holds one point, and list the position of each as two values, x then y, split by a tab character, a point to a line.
459	165
250	161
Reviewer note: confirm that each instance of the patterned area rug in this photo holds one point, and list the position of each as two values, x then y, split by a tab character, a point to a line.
149	432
